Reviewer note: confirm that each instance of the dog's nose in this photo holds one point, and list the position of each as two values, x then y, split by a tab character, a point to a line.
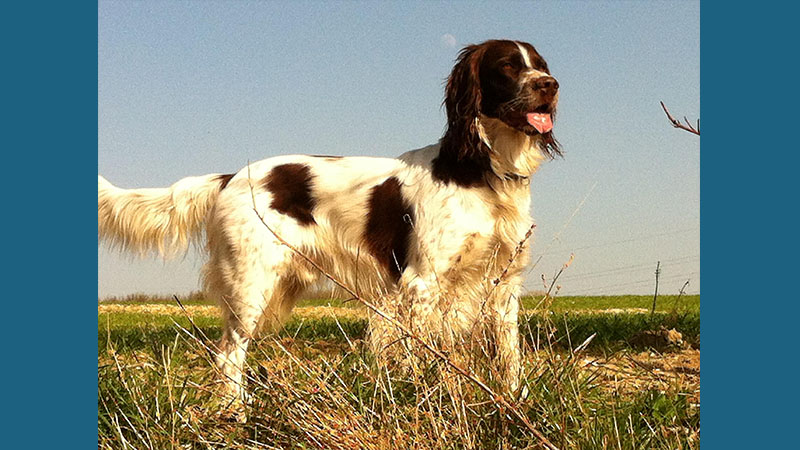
545	84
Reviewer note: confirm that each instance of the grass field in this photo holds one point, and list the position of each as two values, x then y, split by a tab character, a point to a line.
315	385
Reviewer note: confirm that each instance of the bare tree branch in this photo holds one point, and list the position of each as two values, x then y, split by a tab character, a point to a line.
677	123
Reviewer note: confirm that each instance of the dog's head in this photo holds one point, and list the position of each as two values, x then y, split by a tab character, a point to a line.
505	80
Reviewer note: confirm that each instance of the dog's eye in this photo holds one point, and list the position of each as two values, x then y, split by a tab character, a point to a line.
507	66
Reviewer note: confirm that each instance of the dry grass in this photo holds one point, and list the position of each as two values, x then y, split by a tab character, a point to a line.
328	394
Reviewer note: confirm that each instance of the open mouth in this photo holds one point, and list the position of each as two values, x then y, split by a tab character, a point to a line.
543	122
541	119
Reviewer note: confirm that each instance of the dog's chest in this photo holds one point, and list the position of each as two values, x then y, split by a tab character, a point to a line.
470	231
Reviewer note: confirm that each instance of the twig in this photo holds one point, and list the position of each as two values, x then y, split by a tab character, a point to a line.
677	123
547	295
514	255
680	294
683	289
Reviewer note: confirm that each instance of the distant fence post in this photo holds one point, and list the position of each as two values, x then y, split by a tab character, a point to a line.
655	295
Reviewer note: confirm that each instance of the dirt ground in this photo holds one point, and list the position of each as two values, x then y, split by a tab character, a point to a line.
629	372
304	311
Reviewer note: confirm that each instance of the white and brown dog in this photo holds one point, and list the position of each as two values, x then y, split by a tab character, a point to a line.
427	235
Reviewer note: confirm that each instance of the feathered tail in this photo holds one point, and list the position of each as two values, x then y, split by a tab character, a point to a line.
162	220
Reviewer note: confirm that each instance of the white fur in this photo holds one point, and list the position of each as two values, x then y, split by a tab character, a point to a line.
525	56
463	268
464	238
161	220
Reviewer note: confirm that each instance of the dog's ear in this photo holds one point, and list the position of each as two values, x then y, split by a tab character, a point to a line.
463	156
463	103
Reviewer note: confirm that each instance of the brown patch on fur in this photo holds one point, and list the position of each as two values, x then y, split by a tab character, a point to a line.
388	230
466	172
290	185
224	180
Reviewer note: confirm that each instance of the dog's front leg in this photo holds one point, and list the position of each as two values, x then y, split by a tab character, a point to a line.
422	297
412	305
506	331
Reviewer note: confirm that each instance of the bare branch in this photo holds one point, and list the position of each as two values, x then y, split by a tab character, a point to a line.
677	123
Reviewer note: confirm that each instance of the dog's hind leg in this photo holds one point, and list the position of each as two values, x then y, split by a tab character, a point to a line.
242	313
255	290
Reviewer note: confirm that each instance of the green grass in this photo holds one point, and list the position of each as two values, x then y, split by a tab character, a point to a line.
313	387
665	303
613	331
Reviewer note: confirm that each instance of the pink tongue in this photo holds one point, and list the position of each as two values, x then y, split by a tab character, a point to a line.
542	122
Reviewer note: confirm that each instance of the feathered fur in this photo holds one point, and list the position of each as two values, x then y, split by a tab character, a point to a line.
431	236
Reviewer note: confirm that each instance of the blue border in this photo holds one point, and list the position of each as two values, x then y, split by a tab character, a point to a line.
749	316
50	131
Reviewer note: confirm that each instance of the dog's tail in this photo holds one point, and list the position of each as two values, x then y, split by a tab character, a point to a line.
161	220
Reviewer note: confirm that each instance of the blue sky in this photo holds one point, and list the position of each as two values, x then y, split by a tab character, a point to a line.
188	88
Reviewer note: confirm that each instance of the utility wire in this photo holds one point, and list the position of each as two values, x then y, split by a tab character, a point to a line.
623	241
624	269
634	283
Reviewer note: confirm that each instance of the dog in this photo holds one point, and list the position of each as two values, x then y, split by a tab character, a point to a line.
437	237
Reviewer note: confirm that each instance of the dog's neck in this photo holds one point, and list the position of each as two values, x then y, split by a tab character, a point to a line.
515	156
